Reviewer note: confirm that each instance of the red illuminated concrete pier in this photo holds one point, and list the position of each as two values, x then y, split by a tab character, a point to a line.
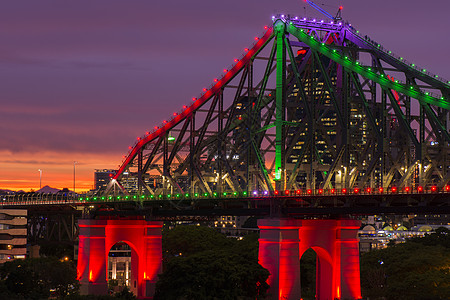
96	239
282	243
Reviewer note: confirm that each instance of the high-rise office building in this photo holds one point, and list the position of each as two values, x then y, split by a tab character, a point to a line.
102	177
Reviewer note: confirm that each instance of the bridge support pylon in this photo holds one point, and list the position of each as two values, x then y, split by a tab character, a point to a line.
282	243
96	238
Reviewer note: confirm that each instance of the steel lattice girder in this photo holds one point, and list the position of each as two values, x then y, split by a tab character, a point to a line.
334	114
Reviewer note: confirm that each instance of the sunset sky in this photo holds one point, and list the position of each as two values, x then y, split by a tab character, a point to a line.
80	80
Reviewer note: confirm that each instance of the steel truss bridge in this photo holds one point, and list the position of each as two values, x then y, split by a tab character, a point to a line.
315	120
313	114
311	106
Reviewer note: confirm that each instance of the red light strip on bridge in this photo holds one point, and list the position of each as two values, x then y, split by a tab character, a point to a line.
199	102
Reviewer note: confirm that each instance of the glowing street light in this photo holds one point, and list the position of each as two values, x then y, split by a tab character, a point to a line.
74	163
40	178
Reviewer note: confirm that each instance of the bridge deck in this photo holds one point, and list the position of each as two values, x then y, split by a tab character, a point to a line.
289	203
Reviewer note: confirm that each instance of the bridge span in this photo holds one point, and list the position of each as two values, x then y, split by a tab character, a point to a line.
315	124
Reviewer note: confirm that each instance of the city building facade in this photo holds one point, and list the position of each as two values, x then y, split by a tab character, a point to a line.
13	234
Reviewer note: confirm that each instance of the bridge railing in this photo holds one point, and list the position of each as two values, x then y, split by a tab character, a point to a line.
48	199
38	198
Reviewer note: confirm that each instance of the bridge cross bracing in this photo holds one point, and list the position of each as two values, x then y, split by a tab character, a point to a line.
311	105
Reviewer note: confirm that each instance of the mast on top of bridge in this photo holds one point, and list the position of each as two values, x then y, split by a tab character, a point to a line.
338	16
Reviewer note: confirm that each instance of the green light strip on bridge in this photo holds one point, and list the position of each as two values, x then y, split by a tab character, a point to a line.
164	197
365	71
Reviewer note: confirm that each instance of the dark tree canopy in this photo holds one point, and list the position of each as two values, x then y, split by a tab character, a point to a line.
38	278
308	263
189	240
418	269
56	249
211	266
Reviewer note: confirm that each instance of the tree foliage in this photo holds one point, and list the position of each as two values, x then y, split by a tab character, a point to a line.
308	263
210	266
418	269
38	278
125	294
56	249
189	240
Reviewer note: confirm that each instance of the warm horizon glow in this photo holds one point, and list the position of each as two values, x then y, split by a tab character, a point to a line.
57	170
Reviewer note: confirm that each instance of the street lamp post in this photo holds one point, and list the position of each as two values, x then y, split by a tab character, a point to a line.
40	178
74	163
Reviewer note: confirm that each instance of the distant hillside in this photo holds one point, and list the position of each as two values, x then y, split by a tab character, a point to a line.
45	190
48	190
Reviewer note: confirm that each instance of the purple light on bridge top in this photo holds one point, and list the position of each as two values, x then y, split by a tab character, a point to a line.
304	19
314	20
321	21
255	193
